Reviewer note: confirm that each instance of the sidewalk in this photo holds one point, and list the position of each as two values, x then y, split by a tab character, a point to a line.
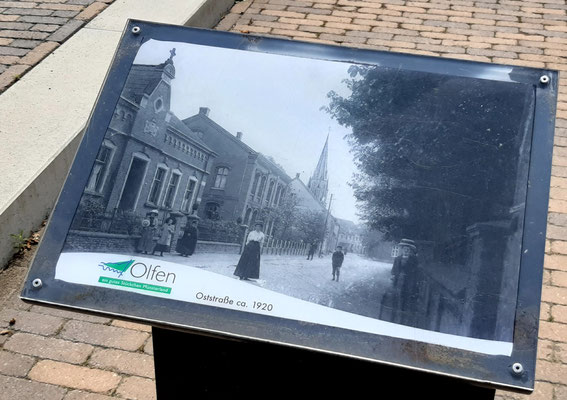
53	354
30	30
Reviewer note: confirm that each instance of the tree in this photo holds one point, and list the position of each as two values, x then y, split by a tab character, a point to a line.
310	226
285	215
435	153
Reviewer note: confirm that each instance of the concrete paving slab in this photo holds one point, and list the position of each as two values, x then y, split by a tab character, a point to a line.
43	114
60	98
168	12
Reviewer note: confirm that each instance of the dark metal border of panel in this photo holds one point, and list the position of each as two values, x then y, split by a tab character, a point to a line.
495	371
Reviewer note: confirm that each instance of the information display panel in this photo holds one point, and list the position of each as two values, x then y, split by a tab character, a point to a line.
375	205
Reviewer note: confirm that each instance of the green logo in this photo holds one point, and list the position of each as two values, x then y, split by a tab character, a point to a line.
137	270
135	285
116	267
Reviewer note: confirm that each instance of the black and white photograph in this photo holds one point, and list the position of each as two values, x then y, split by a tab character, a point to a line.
389	194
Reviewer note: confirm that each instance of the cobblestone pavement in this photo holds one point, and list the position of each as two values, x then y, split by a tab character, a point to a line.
31	30
53	354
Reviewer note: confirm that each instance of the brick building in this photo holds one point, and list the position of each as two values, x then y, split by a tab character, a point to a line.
149	159
245	184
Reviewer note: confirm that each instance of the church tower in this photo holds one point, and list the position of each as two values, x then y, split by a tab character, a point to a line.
319	183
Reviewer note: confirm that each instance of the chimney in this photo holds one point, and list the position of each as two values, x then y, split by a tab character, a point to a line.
239	135
204	110
297	175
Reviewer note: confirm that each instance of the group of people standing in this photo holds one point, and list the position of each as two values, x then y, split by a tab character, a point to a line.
156	238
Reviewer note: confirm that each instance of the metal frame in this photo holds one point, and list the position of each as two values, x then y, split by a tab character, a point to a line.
514	373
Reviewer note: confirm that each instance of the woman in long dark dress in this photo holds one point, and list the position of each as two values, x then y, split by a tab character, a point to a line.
188	242
248	266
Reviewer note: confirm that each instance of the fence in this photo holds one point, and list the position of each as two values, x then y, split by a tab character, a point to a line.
284	247
116	222
214	236
432	306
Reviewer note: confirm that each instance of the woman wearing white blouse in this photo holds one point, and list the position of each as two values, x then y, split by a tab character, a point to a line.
249	264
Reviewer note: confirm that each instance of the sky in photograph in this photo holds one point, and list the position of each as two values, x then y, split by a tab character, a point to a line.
274	100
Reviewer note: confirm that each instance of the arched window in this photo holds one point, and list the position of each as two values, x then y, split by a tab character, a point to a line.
277	196
220	179
261	190
254	185
270	191
247	216
253	217
157	184
281	196
101	167
189	194
171	190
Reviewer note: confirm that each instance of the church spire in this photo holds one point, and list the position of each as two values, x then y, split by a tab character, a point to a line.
319	183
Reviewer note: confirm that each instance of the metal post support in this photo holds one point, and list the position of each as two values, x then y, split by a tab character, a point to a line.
196	366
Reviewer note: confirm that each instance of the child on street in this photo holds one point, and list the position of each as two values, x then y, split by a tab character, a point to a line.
337	259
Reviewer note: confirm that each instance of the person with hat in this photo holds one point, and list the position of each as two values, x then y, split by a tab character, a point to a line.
312	249
149	223
405	281
188	242
248	266
165	234
337	262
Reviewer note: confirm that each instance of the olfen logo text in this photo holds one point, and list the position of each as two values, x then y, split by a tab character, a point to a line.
145	276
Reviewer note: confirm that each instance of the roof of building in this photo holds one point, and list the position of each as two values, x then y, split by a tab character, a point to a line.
178	125
202	117
305	198
142	79
275	167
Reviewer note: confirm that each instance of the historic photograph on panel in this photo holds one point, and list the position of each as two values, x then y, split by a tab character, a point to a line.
381	200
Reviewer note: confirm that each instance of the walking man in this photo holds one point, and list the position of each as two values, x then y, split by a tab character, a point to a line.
312	249
337	259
